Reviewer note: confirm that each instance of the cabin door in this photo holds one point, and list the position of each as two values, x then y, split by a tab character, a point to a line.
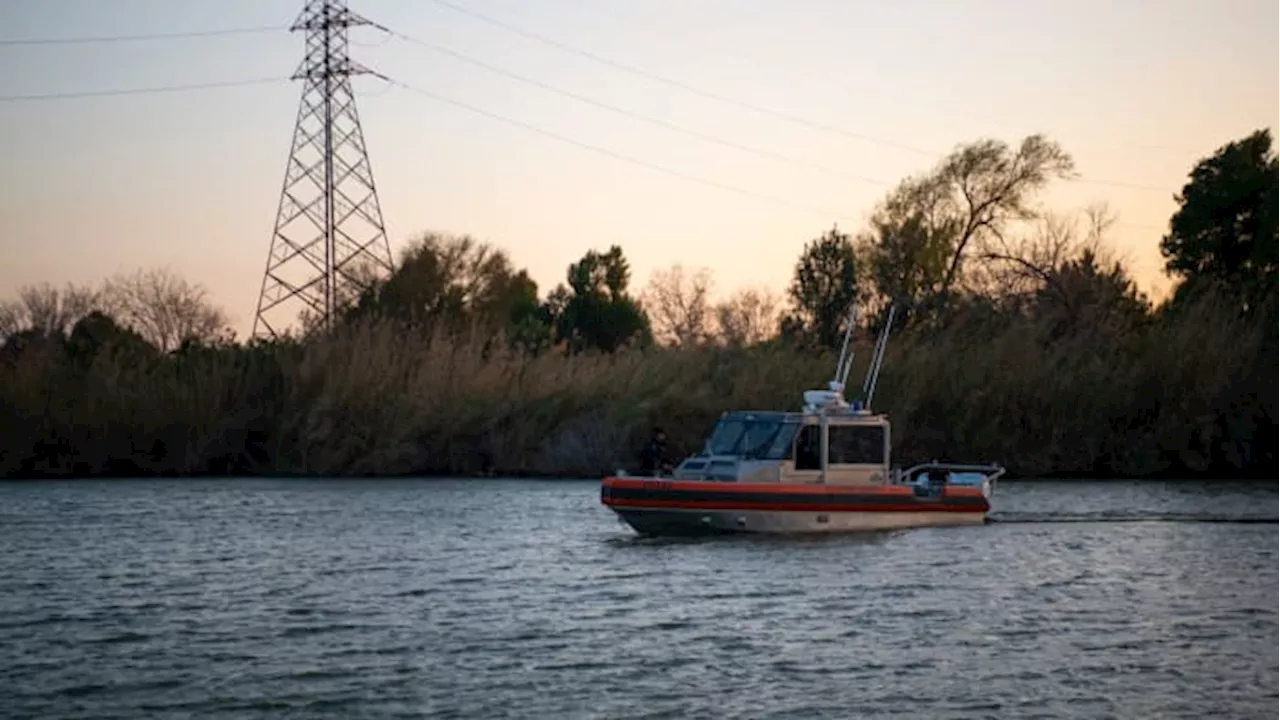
805	465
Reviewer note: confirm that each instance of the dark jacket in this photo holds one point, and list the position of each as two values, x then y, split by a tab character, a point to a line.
653	458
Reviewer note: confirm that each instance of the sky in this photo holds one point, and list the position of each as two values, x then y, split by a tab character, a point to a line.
1137	92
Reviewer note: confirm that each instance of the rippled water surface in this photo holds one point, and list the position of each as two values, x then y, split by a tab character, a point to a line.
271	599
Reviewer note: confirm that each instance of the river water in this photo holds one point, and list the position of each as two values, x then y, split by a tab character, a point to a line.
490	599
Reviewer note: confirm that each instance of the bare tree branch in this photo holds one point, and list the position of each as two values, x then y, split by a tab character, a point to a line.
748	317
678	306
997	187
163	308
47	309
1033	263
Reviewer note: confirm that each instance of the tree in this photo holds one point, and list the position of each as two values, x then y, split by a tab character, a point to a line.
163	308
46	310
96	333
1225	229
529	321
595	311
352	281
992	185
1059	274
924	230
748	317
677	306
1015	267
453	284
914	234
1085	294
823	291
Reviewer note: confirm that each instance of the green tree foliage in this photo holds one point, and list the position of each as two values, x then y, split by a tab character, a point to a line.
1225	229
823	291
1084	295
97	333
924	231
909	246
993	185
453	285
595	312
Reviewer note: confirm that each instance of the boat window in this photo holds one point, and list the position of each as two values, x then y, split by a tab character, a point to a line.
780	446
753	438
768	440
855	445
809	449
726	438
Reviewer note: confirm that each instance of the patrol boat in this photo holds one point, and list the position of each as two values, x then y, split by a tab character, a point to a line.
823	469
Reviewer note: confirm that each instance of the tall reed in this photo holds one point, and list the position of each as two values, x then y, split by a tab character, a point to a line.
1195	393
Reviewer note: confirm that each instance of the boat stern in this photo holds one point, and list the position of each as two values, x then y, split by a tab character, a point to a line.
972	475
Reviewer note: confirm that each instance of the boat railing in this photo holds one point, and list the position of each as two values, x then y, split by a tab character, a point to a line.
991	472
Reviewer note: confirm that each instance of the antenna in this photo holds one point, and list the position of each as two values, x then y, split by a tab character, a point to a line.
845	364
873	372
833	396
329	240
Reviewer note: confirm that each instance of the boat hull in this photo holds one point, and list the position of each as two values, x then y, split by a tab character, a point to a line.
664	507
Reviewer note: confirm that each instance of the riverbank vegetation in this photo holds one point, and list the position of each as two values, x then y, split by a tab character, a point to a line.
1020	339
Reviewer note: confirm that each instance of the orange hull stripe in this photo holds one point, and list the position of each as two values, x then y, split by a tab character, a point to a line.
793	507
782	488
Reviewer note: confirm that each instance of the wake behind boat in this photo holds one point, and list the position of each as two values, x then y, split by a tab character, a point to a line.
826	468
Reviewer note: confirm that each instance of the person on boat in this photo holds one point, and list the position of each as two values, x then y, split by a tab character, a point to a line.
653	457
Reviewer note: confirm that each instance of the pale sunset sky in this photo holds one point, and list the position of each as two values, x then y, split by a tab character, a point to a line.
1135	91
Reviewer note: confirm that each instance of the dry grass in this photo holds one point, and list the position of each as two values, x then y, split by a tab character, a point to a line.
1193	395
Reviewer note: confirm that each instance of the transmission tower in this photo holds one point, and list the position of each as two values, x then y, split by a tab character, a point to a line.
329	239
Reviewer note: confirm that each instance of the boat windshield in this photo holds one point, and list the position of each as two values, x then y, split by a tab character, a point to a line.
752	437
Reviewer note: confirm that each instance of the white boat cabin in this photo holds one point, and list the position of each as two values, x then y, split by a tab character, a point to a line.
841	448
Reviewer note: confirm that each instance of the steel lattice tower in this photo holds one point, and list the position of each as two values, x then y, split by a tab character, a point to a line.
329	237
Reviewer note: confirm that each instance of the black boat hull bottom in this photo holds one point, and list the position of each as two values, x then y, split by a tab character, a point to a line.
695	522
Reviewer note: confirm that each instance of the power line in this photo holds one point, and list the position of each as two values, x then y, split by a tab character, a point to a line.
86	40
619	156
492	68
841	87
813	124
676	83
139	91
652	166
638	116
566	48
554	43
439	98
